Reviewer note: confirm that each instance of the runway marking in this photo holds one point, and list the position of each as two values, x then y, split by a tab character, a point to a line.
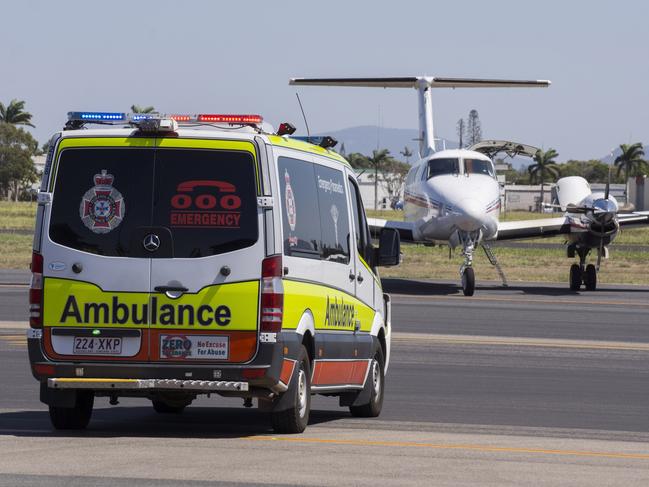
524	300
450	446
14	325
518	341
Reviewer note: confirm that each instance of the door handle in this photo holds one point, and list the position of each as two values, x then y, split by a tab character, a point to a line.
352	276
165	289
359	278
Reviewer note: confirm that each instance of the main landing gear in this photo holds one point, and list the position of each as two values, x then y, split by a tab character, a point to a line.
582	273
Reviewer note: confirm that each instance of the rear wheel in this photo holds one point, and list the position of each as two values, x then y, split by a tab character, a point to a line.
590	277
376	381
575	277
468	281
76	417
295	418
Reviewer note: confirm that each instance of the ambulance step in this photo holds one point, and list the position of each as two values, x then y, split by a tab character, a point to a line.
165	384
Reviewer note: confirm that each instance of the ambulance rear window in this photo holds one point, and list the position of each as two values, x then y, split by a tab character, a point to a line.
101	196
207	199
199	202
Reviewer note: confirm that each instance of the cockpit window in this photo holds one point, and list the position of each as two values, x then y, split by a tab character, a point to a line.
478	166
437	167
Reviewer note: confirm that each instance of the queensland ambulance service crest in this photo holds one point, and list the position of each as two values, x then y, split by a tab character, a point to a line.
291	210
102	208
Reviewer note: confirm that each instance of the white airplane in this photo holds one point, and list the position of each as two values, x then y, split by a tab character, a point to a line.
453	196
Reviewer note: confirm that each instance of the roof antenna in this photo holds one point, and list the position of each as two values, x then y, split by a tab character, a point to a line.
308	134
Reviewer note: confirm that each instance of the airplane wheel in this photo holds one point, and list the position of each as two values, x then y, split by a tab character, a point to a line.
468	281
590	277
575	277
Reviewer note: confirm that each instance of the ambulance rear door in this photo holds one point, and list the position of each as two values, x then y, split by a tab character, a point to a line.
206	251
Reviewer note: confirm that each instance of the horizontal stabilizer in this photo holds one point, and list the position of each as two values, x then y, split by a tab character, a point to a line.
414	82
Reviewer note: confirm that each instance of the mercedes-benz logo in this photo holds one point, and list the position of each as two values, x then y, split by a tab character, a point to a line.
151	242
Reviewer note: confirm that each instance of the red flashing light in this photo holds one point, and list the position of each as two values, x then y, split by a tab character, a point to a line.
181	118
222	118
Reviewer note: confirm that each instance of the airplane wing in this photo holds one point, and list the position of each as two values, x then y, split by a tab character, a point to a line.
635	219
404	228
550	227
544	227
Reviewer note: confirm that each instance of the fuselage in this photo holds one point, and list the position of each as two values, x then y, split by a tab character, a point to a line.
452	191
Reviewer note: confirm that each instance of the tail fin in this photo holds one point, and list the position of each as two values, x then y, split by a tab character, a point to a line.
422	83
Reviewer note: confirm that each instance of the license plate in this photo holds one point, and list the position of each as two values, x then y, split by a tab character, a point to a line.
97	346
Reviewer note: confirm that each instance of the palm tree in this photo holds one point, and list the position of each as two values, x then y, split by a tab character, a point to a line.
631	160
15	114
378	160
141	109
544	164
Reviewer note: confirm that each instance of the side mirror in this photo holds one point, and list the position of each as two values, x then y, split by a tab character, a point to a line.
389	251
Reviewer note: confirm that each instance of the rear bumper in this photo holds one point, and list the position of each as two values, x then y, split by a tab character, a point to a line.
155	384
264	372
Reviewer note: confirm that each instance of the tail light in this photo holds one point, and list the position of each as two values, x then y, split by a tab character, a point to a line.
36	292
272	294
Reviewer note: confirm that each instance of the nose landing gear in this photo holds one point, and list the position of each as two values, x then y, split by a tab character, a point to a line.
468	240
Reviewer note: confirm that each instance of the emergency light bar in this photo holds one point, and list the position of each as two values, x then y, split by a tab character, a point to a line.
79	118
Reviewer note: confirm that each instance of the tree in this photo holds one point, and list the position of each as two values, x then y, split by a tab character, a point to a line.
407	153
358	160
15	114
17	147
594	170
460	132
379	160
141	109
473	128
632	162
544	164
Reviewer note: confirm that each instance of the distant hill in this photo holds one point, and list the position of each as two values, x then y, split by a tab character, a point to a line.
364	139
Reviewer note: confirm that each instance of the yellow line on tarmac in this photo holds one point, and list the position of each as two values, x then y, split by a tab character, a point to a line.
450	446
522	299
516	341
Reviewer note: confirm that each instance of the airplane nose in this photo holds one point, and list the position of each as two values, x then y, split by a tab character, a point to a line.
471	215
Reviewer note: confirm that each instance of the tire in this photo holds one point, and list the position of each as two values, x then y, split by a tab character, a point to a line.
590	277
575	277
376	381
468	281
76	417
296	418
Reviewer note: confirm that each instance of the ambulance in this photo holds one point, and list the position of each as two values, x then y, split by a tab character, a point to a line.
181	255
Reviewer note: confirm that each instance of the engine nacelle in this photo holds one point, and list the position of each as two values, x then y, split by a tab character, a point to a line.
572	190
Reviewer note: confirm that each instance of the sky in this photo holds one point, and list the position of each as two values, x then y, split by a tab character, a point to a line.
236	57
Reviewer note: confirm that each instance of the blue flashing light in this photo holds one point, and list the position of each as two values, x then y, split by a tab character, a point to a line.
136	117
97	116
